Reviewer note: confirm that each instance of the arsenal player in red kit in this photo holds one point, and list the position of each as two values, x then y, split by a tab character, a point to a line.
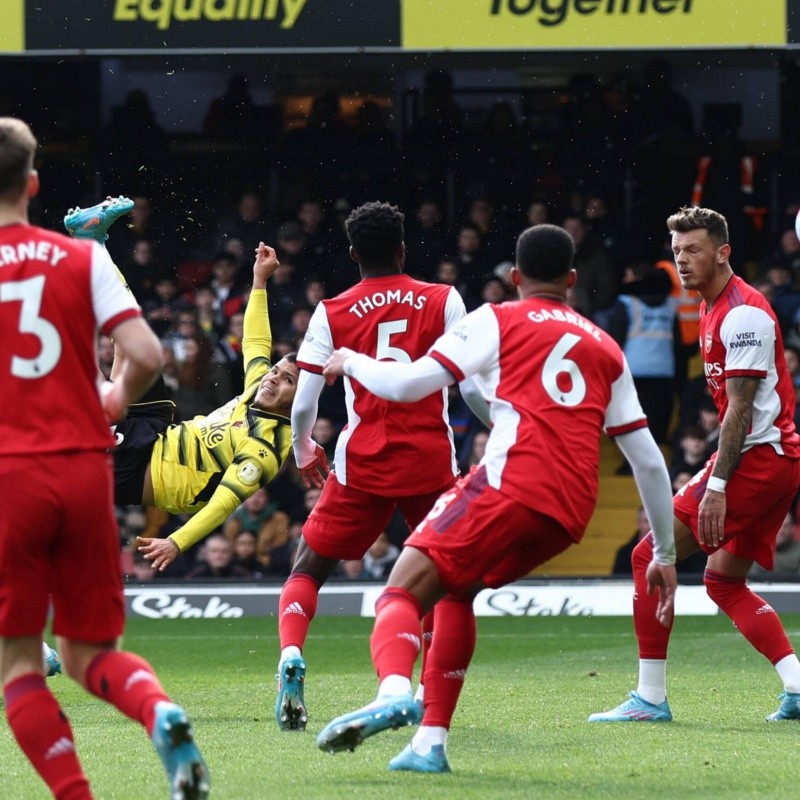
554	382
734	507
389	455
58	533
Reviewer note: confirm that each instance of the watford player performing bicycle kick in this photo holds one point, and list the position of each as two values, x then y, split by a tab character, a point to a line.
209	465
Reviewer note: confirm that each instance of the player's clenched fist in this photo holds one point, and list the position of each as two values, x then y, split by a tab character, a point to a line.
334	366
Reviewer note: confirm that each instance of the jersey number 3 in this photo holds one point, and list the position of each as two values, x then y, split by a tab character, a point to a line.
559	372
30	293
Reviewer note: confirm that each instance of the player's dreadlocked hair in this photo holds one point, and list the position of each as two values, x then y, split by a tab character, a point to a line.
545	252
375	231
690	218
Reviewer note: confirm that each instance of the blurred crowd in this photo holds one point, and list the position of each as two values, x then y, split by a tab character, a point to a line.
467	192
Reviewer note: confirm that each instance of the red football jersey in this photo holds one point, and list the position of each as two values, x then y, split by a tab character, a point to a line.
55	293
555	382
392	449
740	335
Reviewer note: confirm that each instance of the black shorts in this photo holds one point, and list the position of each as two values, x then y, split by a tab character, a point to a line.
135	436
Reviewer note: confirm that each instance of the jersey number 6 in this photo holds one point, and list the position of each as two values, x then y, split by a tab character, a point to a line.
558	369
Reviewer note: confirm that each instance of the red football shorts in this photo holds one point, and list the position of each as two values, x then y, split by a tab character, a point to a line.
758	495
346	521
59	541
475	533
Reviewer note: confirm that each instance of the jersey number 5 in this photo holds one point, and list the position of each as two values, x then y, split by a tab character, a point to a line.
558	369
30	293
384	349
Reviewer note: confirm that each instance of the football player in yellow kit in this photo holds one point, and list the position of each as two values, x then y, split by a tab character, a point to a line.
209	464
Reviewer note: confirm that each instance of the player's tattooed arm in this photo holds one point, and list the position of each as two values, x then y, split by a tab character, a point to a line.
741	392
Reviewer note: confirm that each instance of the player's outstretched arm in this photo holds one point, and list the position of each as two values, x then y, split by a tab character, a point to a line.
655	489
159	552
741	392
400	383
140	355
312	463
264	266
257	339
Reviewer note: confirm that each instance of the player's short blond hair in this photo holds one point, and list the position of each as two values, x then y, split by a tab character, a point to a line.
17	149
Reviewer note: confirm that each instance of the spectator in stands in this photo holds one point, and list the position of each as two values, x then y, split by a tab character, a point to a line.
217	561
693	565
233	116
597	284
605	228
261	516
538	213
787	555
204	297
379	559
690	453
372	156
133	145
584	132
249	223
244	554
313	291
493	290
105	355
436	139
643	322
285	294
291	243
255	512
784	296
497	241
298	323
302	159
475	452
142	268
426	240
319	239
227	288
196	394
164	305
324	434
351	570
227	362
709	422
473	264
449	271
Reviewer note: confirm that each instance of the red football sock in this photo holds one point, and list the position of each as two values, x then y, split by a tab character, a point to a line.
296	608
395	641
454	637
652	636
127	682
427	636
752	615
44	735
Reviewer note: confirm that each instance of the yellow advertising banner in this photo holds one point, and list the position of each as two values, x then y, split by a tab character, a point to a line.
12	26
546	24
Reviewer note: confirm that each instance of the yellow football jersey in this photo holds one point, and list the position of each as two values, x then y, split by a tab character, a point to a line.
211	464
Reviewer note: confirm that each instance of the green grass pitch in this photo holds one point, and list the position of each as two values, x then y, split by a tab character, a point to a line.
520	731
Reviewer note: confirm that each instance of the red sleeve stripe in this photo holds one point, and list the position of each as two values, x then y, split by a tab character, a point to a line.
448	365
110	324
631	426
746	373
315	368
